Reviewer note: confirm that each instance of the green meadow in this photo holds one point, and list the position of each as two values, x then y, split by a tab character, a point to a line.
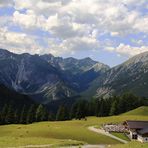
63	133
143	111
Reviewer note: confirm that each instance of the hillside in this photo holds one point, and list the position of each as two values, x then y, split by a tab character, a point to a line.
8	96
14	107
141	111
131	76
60	133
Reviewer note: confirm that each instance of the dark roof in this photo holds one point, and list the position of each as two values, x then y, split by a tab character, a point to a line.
133	124
143	131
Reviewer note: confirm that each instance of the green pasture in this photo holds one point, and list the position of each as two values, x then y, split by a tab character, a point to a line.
73	132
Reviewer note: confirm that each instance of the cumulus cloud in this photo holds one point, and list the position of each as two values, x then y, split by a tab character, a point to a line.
75	25
128	50
142	24
7	3
18	42
110	16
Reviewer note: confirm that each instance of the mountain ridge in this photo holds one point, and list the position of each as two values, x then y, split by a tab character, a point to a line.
43	77
131	76
47	78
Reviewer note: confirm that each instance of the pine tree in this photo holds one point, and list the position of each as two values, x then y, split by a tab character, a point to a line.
61	114
9	119
16	117
97	107
31	115
73	110
114	108
91	108
81	110
4	113
41	113
102	109
23	115
51	116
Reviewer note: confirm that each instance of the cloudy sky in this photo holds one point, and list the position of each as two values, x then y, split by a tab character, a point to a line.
110	31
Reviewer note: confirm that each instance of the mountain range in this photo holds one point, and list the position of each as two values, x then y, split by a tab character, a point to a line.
46	78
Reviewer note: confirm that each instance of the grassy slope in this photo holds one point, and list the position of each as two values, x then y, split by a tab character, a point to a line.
143	111
59	132
120	135
133	144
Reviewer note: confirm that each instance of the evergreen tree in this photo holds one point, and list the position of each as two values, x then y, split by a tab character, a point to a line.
51	117
73	111
0	116
4	113
91	108
81	110
61	114
23	115
16	117
114	108
31	115
102	110
9	118
97	107
40	113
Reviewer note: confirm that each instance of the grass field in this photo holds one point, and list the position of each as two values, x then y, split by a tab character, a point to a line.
61	133
133	144
143	110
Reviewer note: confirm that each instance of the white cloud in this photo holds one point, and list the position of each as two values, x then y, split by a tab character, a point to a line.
18	42
127	50
71	45
84	43
79	24
111	16
7	3
142	24
5	21
27	20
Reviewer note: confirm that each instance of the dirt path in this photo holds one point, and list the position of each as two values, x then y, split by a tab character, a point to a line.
101	131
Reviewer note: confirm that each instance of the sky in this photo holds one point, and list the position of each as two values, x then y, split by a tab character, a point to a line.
109	31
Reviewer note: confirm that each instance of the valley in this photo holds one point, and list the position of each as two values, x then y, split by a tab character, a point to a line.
73	74
57	91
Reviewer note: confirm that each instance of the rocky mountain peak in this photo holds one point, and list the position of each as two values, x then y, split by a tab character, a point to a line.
100	66
5	53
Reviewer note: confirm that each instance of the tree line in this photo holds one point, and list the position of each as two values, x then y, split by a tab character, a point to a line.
26	115
99	107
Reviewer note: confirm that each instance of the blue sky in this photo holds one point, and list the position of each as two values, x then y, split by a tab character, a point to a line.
110	31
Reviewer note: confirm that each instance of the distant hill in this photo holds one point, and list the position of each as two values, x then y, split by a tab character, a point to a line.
142	111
